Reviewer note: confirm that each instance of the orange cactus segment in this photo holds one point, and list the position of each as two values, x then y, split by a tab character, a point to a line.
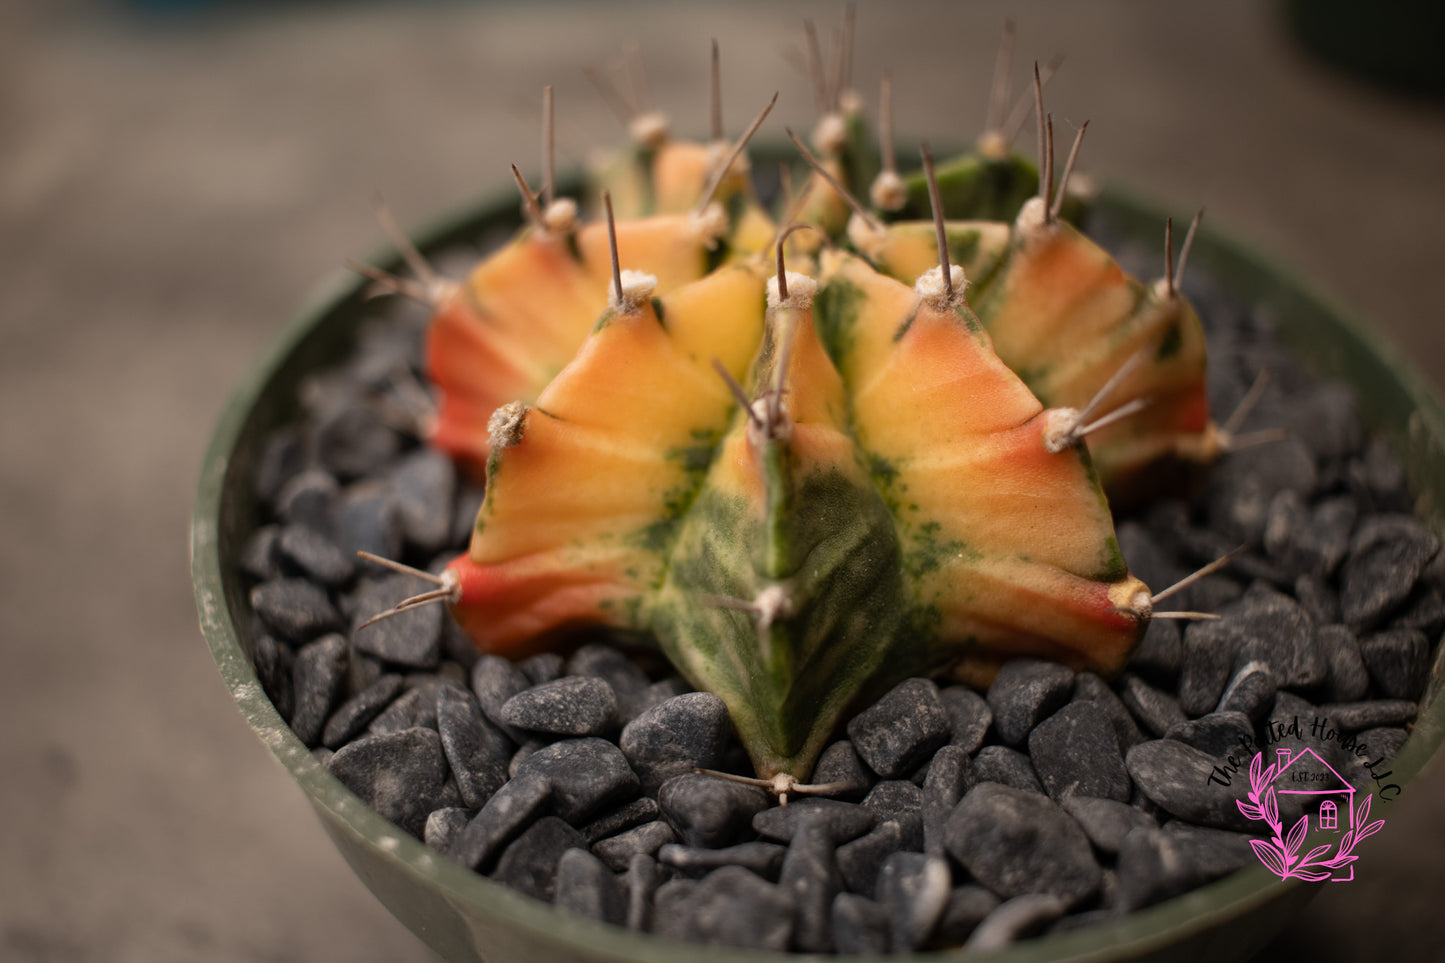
584	486
1060	294
671	247
515	608
906	249
1017	608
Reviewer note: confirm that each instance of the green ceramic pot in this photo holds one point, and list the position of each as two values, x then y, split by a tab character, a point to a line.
465	917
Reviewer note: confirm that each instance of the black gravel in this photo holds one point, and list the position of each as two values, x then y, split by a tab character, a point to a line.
1050	801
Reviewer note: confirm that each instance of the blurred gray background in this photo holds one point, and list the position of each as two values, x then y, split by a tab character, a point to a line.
174	181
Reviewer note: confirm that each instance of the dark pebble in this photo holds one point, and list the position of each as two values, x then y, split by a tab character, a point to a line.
1243	485
1019	917
1279	633
629	683
310	499
641	881
586	887
1250	692
477	751
900	801
1210	649
570	706
1318	599
402	775
900	731
1155	709
495	680
861	860
275	664
425	482
839	765
810	876
842	820
1024	692
949	776
968	906
1349	679
357	712
1213	852
352	441
1326	417
1176	778
617	851
1075	751
730	907
586	776
470	496
404	712
1160	654
860	926
1309	541
261	555
1387	555
688	732
318	679
1384	742
315	556
1354	716
444	826
506	813
914	888
643	809
296	610
410	638
710	812
1088	687
1216	734
1005	766
765	859
283	456
1153	866
1106	821
1018	843
542	668
368	520
969	717
529	863
1397	661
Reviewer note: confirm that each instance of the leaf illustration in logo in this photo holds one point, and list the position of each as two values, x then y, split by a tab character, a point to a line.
1269	856
1271	807
1296	836
1315	853
1311	875
1249	811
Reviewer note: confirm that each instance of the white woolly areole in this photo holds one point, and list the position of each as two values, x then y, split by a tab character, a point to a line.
831	135
637	287
867	238
1033	216
993	145
1161	290
717	152
649	129
773	602
560	216
1059	427
930	285
505	425
709	224
888	191
761	430
801	289
850	103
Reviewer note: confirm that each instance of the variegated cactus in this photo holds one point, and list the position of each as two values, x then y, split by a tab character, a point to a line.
807	484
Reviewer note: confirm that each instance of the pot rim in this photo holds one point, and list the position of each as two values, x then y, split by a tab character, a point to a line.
221	604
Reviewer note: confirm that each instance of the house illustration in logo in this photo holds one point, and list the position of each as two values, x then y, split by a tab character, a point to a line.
1326	799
